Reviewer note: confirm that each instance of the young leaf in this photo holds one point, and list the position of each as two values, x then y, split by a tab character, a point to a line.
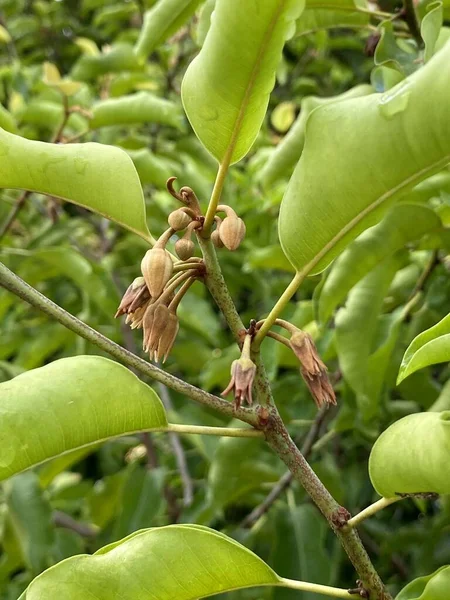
161	21
119	57
185	562
142	107
31	519
411	456
327	204
430	28
226	88
356	325
286	155
428	348
430	587
326	15
70	403
402	225
98	177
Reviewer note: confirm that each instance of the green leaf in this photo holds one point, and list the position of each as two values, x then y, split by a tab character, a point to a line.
332	13
162	21
31	520
428	348
118	58
411	456
70	403
394	53
356	326
430	587
226	88
142	107
237	469
431	27
283	115
185	562
327	204
98	177
286	155
403	224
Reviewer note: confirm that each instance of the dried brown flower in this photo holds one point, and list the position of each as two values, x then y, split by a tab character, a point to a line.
137	295
243	371
313	369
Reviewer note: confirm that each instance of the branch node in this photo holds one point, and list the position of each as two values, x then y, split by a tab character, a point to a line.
340	517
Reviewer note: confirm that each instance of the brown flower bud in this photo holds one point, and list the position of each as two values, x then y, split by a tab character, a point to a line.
178	219
156	267
168	337
136	296
215	238
159	323
147	324
185	248
320	387
313	370
243	373
232	231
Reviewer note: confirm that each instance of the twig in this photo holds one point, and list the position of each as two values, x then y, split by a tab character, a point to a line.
62	519
17	286
411	19
425	275
18	205
180	456
285	481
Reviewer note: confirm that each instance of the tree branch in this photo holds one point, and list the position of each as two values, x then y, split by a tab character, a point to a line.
412	21
20	288
17	207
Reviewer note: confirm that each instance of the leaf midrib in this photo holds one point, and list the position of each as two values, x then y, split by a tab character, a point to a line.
248	90
414	179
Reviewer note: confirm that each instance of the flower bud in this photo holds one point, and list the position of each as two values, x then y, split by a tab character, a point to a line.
136	296
178	219
215	238
313	370
184	248
156	267
159	323
168	337
147	324
243	373
134	319
232	231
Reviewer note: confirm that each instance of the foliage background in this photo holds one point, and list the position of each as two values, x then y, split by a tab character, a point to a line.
78	503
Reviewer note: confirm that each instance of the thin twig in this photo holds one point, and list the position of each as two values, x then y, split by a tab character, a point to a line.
18	205
412	20
180	456
17	286
285	481
62	519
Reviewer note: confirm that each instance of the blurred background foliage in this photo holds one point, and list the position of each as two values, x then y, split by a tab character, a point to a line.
82	501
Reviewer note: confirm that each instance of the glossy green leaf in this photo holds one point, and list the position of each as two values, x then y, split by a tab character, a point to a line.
70	403
118	58
204	21
428	348
356	326
327	15
286	155
411	456
430	28
162	21
395	53
185	562
7	121
150	167
98	177
226	88
327	204
31	519
142	107
237	469
405	223
430	587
